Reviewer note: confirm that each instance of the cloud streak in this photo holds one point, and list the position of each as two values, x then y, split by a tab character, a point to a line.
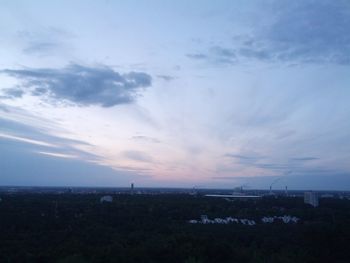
39	141
44	41
80	85
302	159
143	138
295	164
26	140
137	156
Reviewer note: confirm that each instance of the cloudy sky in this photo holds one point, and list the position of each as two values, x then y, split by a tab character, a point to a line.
175	93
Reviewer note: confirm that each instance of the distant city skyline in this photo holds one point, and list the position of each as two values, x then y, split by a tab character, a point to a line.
175	93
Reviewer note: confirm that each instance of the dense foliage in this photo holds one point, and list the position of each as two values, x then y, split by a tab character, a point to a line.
154	228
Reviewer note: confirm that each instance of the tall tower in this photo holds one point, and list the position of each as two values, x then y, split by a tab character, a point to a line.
132	188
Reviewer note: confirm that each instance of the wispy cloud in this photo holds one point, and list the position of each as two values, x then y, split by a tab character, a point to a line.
40	140
197	56
60	155
26	140
80	85
145	139
293	32
137	156
166	77
248	160
217	55
45	41
302	159
268	163
243	157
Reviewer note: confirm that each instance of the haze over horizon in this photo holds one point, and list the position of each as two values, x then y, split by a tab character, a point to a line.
175	93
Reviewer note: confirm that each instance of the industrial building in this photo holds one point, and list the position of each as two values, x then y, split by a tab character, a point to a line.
311	198
106	198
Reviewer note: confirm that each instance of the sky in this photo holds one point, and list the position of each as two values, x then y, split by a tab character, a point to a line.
205	94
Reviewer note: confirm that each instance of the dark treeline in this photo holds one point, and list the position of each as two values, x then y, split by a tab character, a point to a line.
155	228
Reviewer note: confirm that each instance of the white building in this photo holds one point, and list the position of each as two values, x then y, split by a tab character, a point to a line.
267	219
106	198
311	198
286	219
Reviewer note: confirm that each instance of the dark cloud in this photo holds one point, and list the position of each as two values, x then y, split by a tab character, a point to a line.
13	93
137	156
166	77
81	85
295	32
305	159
